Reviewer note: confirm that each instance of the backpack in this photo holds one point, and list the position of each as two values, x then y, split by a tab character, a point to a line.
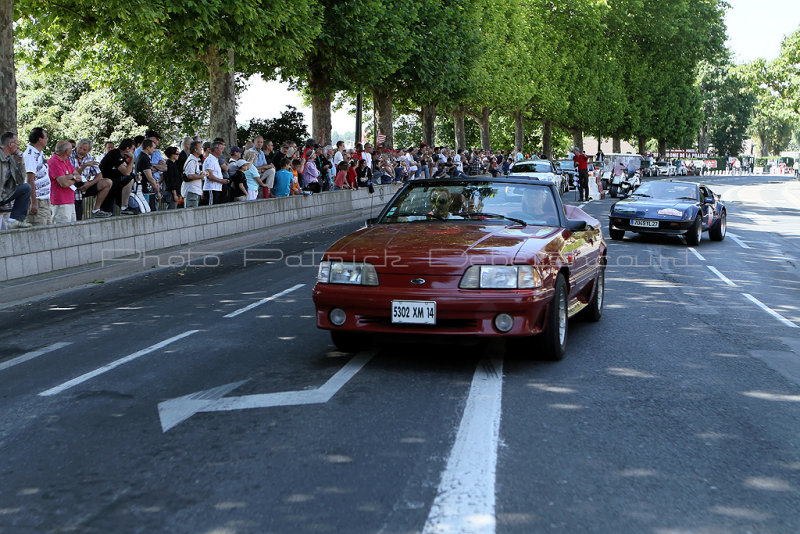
137	201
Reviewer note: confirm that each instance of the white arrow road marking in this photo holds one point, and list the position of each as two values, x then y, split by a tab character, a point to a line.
465	500
31	355
264	301
83	378
175	411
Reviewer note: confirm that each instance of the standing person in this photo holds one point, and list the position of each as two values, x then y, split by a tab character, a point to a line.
171	190
144	167
38	177
92	182
284	179
184	154
363	174
582	164
251	174
311	176
13	187
214	180
63	177
117	166
192	187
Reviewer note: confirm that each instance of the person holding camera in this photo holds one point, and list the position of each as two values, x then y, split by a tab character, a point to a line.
117	166
15	193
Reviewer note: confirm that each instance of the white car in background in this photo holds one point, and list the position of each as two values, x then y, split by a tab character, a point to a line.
541	169
665	168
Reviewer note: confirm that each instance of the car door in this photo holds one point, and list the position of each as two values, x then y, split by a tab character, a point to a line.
709	209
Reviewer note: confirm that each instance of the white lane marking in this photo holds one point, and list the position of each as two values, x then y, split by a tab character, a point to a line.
737	240
264	301
720	275
699	256
88	376
770	311
31	355
465	499
175	411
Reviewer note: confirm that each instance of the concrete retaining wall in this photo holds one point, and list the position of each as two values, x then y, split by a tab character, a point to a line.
44	249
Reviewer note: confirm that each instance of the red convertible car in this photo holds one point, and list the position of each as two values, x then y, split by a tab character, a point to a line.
466	257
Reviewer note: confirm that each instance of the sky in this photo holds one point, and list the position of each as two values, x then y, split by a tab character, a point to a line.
755	29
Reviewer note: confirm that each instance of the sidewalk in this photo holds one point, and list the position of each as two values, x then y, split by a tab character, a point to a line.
32	288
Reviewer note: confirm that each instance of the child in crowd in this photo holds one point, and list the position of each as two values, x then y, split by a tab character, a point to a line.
341	177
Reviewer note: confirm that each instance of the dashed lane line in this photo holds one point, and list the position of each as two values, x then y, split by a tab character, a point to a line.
31	355
720	275
737	240
104	369
264	301
465	499
769	310
697	254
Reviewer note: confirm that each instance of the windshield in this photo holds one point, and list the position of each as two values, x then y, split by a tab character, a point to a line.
567	164
532	166
670	190
485	201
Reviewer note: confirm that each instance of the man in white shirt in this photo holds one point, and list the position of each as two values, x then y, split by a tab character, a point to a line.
214	179
38	177
192	190
366	155
337	158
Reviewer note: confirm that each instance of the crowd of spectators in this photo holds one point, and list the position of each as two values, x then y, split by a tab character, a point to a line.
38	190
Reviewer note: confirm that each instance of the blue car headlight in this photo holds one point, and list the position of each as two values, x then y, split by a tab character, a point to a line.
347	272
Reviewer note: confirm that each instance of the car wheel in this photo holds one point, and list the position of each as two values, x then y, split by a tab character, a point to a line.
718	232
555	334
349	341
615	234
695	233
594	310
614	191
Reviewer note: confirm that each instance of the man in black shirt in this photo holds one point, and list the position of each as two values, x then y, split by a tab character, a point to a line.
117	166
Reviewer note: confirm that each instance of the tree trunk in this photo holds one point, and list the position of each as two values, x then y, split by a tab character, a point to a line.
662	149
429	124
616	145
321	99
599	142
519	130
547	138
643	145
222	94
460	130
8	80
577	138
384	118
763	148
483	124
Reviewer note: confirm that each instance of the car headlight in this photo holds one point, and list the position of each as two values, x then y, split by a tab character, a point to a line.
500	277
347	272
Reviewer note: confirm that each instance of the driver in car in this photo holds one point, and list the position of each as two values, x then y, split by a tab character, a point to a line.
537	207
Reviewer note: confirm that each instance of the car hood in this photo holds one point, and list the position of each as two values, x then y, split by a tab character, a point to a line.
441	248
649	207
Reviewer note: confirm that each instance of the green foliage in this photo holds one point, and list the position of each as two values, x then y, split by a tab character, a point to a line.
728	106
290	126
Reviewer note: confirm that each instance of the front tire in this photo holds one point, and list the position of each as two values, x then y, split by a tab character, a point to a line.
614	190
718	232
554	338
695	233
615	234
594	311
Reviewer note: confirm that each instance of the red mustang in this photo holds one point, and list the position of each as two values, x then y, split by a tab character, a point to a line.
466	257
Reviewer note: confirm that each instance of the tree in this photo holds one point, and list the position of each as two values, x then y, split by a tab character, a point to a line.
8	81
728	106
206	39
289	126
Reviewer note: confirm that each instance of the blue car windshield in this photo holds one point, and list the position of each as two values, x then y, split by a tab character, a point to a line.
668	190
485	201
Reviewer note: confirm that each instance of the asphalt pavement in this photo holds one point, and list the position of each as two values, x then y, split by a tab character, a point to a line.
202	399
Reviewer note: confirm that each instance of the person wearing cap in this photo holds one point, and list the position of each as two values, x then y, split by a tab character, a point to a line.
582	164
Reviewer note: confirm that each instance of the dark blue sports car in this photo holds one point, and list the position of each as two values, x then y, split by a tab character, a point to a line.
670	208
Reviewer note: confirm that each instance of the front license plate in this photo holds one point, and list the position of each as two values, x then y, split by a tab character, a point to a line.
414	311
644	223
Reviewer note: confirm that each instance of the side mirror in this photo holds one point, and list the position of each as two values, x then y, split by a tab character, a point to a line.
708	200
575	225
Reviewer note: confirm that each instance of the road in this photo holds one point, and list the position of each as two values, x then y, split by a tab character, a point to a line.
203	399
